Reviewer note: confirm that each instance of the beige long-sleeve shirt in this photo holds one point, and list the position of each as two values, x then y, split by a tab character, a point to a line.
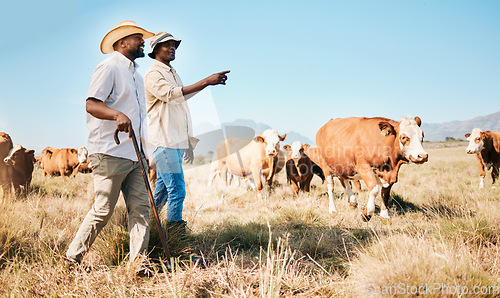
169	118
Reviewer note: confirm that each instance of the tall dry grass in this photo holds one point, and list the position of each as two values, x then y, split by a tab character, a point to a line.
443	233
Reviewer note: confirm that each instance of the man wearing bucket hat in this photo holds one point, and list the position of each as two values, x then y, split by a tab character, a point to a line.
170	128
115	101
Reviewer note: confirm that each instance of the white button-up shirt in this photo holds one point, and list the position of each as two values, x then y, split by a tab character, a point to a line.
169	118
117	83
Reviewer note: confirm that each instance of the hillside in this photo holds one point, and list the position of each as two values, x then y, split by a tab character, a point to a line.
435	132
240	128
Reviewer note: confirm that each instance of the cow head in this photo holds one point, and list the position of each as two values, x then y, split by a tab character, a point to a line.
17	154
271	139
476	141
410	138
297	150
82	154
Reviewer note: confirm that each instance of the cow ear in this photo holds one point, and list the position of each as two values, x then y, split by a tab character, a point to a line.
305	146
259	139
418	120
386	128
467	135
282	138
287	148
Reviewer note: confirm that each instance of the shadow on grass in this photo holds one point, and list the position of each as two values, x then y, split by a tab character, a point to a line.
331	248
432	210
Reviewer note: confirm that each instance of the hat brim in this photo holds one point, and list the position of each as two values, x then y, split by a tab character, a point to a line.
177	43
119	33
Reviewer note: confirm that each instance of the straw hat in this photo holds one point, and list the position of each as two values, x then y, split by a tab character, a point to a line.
120	31
162	37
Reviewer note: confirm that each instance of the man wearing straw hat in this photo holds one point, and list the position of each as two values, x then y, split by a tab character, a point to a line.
170	128
116	100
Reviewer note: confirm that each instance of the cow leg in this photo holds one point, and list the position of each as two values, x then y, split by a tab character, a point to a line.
329	183
307	184
357	184
373	189
350	194
386	194
294	185
258	182
212	176
494	174
251	183
482	172
223	174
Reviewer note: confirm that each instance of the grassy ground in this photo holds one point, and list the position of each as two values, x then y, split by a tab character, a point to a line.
442	238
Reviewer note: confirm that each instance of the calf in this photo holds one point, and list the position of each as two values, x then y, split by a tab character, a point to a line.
298	167
486	146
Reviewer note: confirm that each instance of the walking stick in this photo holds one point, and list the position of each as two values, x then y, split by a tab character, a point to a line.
150	195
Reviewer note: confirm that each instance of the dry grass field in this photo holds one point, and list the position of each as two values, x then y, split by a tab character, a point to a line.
442	239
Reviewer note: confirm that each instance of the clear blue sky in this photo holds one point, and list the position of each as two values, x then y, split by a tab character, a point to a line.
294	64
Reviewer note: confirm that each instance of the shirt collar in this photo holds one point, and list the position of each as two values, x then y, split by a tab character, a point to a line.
125	61
163	65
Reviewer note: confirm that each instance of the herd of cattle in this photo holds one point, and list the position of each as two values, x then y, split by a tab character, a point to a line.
351	149
17	164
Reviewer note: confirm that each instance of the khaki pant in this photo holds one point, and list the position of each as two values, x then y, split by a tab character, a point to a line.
112	174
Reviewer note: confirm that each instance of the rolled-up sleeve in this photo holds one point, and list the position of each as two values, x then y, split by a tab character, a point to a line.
101	84
162	89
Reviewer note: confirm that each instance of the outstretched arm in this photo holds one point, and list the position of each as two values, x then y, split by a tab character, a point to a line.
215	79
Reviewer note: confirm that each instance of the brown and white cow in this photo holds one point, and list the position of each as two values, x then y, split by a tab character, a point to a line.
62	162
20	164
5	147
486	146
372	149
299	167
256	157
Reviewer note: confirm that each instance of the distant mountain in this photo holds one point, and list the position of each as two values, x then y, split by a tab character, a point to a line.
435	132
240	128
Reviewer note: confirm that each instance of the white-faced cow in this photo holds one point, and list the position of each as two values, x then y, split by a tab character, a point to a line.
256	157
486	146
299	167
372	149
84	164
20	164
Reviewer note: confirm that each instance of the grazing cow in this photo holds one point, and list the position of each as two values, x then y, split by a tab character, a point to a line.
256	157
372	149
5	147
62	162
20	163
320	168
298	167
486	146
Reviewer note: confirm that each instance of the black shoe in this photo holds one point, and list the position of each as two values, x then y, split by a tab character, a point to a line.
75	265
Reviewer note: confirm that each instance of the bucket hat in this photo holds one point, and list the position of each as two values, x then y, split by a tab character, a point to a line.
160	37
